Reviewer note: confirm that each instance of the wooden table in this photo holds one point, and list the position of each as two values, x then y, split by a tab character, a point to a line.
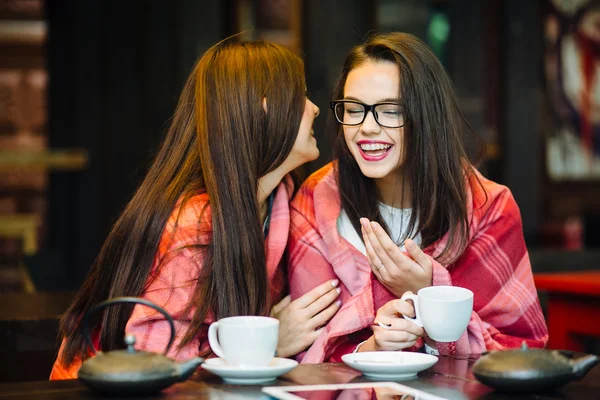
573	307
450	378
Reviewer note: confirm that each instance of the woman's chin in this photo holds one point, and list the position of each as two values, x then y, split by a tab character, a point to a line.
374	172
313	155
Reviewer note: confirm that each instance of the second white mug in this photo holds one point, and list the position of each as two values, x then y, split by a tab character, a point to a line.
443	311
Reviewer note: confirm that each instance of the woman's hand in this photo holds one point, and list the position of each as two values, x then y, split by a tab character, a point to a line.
301	321
396	333
397	271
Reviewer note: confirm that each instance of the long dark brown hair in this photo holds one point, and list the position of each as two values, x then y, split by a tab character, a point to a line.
221	141
435	162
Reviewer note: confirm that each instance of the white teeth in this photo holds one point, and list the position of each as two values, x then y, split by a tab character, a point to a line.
375	146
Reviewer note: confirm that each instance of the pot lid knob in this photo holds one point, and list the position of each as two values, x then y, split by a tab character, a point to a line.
130	341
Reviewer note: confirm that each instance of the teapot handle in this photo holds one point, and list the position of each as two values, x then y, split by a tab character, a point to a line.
119	300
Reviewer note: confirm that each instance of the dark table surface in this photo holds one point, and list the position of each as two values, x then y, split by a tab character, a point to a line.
450	378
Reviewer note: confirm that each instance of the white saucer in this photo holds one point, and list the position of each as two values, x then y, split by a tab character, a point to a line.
389	364
249	375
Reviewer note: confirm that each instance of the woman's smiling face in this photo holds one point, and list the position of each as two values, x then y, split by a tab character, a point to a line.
377	150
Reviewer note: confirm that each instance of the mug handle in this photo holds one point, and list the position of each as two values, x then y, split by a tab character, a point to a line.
213	341
415	299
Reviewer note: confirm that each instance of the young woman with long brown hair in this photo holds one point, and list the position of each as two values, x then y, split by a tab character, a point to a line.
205	233
402	208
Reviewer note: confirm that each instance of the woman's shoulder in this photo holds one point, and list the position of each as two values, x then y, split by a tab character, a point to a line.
325	176
319	194
191	209
189	222
487	195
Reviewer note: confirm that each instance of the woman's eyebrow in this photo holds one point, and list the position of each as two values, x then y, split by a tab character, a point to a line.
386	100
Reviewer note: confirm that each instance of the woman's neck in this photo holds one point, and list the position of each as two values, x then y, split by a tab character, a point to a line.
266	185
394	191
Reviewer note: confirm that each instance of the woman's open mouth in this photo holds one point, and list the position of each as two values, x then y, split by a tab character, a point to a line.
374	151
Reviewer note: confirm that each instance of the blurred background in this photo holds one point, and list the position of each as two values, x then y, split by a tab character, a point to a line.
87	89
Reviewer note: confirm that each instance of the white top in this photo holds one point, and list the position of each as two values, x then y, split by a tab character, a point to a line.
395	218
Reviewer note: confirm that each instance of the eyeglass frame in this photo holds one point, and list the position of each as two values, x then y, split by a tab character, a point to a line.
368	108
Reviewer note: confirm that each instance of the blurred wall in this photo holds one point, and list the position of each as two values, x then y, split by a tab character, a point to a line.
116	69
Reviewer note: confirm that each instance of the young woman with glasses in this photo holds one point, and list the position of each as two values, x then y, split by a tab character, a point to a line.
402	208
205	233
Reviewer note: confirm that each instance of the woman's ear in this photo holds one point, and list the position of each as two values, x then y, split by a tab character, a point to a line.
264	104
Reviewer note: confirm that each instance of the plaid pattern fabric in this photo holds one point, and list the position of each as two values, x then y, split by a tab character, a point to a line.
495	266
172	285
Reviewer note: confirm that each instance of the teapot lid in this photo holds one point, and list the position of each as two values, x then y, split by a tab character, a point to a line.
127	365
522	362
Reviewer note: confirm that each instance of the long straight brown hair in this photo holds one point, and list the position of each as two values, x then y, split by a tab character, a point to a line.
435	164
221	141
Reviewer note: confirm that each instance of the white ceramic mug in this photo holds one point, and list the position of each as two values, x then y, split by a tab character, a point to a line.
443	311
246	341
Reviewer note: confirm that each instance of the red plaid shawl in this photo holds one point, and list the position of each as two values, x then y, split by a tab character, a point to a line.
495	266
174	284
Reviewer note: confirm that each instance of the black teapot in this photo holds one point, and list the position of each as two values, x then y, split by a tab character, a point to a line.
528	370
129	372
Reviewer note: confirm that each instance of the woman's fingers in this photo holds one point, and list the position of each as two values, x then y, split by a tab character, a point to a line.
403	306
314	335
324	316
376	265
392	339
392	332
393	307
310	297
385	247
281	305
385	345
417	254
400	325
322	302
380	259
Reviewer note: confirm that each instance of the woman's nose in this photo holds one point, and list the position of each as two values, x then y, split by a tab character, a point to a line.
370	125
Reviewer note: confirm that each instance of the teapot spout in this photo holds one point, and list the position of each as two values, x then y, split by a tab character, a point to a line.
582	365
187	368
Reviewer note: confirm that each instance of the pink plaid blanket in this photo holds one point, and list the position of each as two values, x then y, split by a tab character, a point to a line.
495	266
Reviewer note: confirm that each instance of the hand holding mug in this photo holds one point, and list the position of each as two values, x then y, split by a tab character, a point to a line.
390	332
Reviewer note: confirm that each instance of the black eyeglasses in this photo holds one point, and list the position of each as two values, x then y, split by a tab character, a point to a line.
352	113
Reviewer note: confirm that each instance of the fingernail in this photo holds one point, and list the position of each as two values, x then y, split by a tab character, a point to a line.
338	290
335	282
374	225
386	326
408	244
363	222
338	303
